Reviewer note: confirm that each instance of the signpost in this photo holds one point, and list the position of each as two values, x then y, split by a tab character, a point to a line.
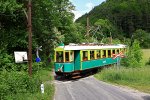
20	56
38	59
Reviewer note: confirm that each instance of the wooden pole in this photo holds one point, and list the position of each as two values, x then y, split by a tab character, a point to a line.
110	38
29	38
87	27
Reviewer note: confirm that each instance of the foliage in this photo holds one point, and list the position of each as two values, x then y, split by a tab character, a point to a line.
134	56
148	63
146	56
12	26
17	82
100	31
52	23
143	37
74	33
138	78
116	41
19	85
126	16
7	63
106	27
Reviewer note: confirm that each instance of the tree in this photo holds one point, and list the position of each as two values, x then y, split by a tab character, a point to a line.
106	29
126	16
51	21
143	37
12	26
134	56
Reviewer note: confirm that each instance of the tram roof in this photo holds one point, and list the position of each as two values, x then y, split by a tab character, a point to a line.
89	47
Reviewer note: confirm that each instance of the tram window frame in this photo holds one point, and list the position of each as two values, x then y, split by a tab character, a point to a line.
59	56
84	55
104	53
98	54
67	56
92	54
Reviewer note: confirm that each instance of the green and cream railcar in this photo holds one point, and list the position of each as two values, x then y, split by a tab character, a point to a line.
73	58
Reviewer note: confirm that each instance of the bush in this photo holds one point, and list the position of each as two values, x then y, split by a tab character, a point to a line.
6	61
133	57
13	83
148	63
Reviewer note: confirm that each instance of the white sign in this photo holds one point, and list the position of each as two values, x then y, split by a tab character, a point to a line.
42	88
20	56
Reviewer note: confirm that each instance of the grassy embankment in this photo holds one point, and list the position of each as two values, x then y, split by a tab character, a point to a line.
137	78
46	77
146	55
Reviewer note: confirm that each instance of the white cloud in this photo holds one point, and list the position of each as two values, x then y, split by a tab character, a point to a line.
89	6
78	13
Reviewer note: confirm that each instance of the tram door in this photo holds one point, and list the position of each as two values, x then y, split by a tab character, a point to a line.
77	60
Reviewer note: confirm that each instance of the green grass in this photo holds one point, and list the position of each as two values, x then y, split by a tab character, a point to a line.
48	94
46	77
138	78
146	55
49	88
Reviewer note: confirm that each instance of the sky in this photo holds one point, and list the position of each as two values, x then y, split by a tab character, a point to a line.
84	6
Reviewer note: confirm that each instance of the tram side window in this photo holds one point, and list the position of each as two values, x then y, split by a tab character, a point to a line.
59	56
85	55
98	54
117	51
104	53
109	53
92	55
66	56
113	51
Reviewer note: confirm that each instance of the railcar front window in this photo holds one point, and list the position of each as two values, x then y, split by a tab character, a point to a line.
59	56
71	56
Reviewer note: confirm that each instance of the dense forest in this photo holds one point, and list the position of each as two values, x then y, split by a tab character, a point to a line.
52	23
130	18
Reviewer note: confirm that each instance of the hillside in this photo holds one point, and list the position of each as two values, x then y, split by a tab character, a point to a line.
126	15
